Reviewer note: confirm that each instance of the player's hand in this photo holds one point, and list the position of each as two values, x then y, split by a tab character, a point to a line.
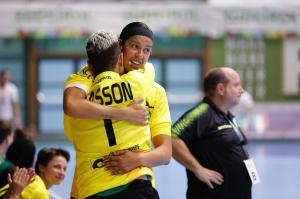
209	177
137	113
121	162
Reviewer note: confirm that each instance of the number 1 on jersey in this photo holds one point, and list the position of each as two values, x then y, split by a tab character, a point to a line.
110	132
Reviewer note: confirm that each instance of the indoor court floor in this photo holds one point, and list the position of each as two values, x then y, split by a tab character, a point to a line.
278	163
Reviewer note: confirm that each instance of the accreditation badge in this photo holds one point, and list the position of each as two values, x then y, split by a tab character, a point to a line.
252	171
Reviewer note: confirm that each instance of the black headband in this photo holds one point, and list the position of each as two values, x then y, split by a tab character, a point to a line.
136	31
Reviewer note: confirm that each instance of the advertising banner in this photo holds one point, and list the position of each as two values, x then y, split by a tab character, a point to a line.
76	18
167	18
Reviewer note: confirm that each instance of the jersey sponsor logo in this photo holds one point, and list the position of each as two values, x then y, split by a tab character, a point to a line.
116	93
225	126
86	73
98	163
134	148
148	105
104	78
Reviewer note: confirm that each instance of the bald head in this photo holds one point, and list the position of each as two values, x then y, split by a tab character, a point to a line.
229	71
223	86
215	76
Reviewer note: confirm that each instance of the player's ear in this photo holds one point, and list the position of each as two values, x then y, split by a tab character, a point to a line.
121	44
120	64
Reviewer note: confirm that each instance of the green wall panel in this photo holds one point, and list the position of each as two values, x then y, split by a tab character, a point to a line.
217	52
178	44
74	45
273	61
11	48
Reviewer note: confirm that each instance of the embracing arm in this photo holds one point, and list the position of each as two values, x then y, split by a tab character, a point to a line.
182	154
161	154
123	161
75	105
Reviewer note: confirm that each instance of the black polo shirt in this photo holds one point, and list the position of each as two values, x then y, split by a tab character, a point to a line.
210	137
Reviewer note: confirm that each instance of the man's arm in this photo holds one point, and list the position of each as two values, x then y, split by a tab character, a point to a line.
182	154
75	105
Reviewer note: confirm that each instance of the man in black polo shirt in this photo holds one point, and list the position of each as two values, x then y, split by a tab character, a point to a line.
208	142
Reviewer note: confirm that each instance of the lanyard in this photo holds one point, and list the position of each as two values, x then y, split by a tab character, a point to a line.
237	130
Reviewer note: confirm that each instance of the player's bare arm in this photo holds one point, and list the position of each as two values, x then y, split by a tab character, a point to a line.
75	105
123	161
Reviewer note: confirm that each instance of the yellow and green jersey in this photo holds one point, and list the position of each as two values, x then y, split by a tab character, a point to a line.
94	139
83	79
160	121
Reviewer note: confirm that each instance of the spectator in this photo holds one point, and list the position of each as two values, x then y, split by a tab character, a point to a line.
6	138
50	168
21	152
9	101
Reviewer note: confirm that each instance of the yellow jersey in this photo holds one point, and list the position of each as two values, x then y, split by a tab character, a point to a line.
36	190
94	139
83	79
160	120
3	190
157	102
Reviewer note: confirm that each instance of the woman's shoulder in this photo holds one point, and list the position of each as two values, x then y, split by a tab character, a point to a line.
36	190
